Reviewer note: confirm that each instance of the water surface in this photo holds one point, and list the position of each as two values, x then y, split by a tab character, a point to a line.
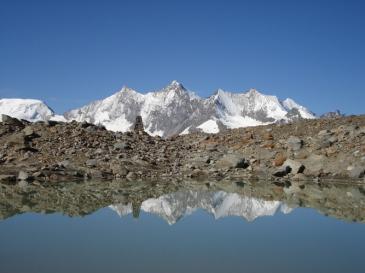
144	227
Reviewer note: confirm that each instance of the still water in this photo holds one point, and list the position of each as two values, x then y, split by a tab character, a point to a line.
144	227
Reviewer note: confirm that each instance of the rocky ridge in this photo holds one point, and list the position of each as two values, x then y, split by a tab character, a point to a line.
321	149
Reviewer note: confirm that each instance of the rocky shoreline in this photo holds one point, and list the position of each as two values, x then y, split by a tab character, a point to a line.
306	150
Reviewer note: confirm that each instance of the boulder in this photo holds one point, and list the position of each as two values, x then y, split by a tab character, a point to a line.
295	166
118	169
323	133
314	164
356	172
121	145
8	120
283	171
91	163
229	161
29	133
16	139
294	143
132	176
64	164
279	159
22	175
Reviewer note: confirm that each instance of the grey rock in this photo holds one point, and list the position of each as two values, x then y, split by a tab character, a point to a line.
118	169
294	143
28	131
22	183
10	120
333	139
295	166
356	172
265	154
64	164
94	173
38	174
131	176
324	133
232	161
91	162
99	151
121	145
314	164
324	143
24	176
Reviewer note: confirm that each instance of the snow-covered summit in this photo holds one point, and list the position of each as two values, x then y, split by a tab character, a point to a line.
27	109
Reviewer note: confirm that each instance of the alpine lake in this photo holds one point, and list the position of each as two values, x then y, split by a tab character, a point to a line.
236	226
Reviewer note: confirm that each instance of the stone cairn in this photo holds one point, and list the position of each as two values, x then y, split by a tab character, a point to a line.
138	125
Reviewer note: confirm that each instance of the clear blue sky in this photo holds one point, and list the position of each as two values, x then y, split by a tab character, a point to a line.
71	52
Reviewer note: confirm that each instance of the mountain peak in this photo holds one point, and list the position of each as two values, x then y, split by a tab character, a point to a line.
28	109
175	85
253	91
126	89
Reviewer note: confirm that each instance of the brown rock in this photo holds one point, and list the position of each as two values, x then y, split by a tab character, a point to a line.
279	159
268	136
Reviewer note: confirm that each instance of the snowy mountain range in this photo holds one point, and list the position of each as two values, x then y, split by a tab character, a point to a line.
175	206
172	110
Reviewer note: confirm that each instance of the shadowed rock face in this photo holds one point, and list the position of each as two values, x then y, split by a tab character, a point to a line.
172	202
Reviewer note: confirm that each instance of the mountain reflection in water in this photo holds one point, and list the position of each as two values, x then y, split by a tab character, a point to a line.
172	201
173	207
